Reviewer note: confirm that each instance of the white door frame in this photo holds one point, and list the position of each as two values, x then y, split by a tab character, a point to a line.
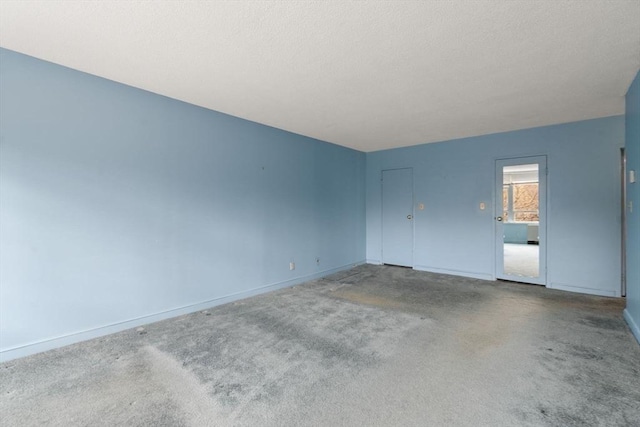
541	160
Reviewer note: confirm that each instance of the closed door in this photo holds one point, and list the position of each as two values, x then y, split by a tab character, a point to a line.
397	217
521	219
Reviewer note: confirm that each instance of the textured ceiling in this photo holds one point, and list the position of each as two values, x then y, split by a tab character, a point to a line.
367	75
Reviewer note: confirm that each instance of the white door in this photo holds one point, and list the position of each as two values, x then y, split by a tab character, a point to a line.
397	217
520	219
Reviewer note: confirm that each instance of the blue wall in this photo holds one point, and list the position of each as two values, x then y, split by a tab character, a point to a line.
632	147
452	235
118	205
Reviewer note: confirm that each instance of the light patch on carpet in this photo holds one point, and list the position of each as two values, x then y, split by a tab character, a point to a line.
481	331
368	299
183	388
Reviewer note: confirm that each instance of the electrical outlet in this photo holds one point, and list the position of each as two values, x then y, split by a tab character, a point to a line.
292	266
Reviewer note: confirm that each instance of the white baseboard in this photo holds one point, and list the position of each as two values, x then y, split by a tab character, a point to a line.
471	274
582	290
49	344
635	329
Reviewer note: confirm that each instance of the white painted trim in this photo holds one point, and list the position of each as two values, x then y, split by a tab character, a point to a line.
374	261
582	290
49	344
474	275
543	225
635	329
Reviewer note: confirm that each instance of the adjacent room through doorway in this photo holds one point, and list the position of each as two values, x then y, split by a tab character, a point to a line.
520	223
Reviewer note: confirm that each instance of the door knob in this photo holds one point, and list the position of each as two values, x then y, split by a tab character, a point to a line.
409	216
499	218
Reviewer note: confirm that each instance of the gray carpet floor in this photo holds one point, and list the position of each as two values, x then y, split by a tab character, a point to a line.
375	346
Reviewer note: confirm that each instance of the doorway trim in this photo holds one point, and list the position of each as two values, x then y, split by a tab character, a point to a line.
543	173
623	219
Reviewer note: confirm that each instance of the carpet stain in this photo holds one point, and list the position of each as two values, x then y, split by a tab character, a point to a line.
480	335
584	352
368	299
607	323
481	331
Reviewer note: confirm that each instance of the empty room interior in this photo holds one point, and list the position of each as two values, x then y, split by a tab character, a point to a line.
289	213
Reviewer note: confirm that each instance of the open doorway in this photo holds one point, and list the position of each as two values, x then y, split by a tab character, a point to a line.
520	219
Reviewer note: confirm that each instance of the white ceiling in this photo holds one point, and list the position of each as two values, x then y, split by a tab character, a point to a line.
367	75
